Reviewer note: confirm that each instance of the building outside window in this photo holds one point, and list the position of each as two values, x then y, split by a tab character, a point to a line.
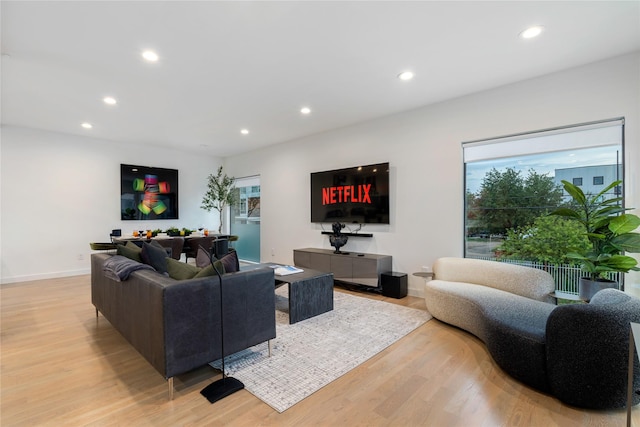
592	178
577	181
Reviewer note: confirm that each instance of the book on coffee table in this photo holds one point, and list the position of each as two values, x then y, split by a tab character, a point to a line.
283	270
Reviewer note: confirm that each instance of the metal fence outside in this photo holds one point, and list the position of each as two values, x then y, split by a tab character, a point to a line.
565	276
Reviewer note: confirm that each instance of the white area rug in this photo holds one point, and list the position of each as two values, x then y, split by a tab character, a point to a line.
310	354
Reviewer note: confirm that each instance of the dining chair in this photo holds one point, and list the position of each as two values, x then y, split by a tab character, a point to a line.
192	244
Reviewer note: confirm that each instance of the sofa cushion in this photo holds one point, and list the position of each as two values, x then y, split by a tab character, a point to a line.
230	260
515	337
130	250
471	307
155	255
202	258
511	326
181	270
209	271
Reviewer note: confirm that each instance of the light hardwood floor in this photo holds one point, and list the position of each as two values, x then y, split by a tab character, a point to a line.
63	367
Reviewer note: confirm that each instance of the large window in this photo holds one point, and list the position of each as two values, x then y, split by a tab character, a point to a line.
511	183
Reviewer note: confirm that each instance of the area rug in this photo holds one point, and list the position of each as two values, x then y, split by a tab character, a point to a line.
310	354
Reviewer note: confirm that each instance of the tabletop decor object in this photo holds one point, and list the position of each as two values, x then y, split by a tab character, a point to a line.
337	239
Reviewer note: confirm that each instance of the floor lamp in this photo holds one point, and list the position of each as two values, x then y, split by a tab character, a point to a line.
225	386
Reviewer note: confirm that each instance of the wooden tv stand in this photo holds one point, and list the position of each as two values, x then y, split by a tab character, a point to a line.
349	267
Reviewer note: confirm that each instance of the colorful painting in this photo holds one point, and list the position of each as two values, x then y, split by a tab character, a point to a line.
148	193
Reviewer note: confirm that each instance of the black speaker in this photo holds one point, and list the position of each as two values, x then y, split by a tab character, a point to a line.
394	284
220	247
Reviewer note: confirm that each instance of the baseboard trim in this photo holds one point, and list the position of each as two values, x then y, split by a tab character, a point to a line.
44	276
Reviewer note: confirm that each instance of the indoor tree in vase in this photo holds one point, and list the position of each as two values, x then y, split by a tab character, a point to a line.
220	194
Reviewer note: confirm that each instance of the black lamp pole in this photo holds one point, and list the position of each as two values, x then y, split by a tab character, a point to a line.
225	386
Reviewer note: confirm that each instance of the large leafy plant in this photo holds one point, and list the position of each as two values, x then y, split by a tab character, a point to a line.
220	194
608	228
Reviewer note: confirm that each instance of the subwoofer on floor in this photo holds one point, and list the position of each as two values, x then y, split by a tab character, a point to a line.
394	284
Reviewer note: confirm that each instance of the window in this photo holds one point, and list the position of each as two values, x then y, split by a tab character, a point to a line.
245	218
511	181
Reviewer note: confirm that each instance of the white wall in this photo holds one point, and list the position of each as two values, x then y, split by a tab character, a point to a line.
60	192
424	151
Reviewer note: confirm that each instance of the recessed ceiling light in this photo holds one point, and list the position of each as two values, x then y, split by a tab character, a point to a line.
532	32
245	131
305	110
109	100
405	75
150	55
86	125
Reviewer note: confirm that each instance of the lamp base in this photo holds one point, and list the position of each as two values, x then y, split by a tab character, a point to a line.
222	388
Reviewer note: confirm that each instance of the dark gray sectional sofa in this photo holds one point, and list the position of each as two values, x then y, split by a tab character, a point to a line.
175	324
578	353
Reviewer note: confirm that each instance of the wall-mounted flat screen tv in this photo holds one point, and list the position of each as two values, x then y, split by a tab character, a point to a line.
148	193
359	194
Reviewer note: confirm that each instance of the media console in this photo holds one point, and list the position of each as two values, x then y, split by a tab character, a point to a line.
349	267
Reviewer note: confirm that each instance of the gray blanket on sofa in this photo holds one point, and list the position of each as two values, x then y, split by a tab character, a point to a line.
119	268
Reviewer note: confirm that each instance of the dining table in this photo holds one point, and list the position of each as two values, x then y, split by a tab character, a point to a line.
162	238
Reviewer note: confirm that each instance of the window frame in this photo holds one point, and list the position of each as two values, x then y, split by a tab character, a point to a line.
549	137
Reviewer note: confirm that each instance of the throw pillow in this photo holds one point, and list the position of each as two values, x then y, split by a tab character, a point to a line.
202	258
155	255
230	262
181	270
209	271
130	250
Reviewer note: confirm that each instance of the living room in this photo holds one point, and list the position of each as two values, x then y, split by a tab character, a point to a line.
60	190
84	205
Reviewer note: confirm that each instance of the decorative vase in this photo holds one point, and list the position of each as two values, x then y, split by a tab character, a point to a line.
337	239
588	288
338	242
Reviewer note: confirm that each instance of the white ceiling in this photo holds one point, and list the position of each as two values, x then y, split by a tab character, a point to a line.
225	66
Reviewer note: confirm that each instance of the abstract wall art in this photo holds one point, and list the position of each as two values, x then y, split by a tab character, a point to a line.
148	193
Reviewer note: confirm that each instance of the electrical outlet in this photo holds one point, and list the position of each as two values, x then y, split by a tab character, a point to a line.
80	257
273	252
426	269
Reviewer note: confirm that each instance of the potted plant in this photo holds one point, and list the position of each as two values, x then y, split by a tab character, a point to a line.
220	194
173	231
610	233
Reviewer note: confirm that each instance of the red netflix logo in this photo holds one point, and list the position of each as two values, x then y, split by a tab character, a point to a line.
346	193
